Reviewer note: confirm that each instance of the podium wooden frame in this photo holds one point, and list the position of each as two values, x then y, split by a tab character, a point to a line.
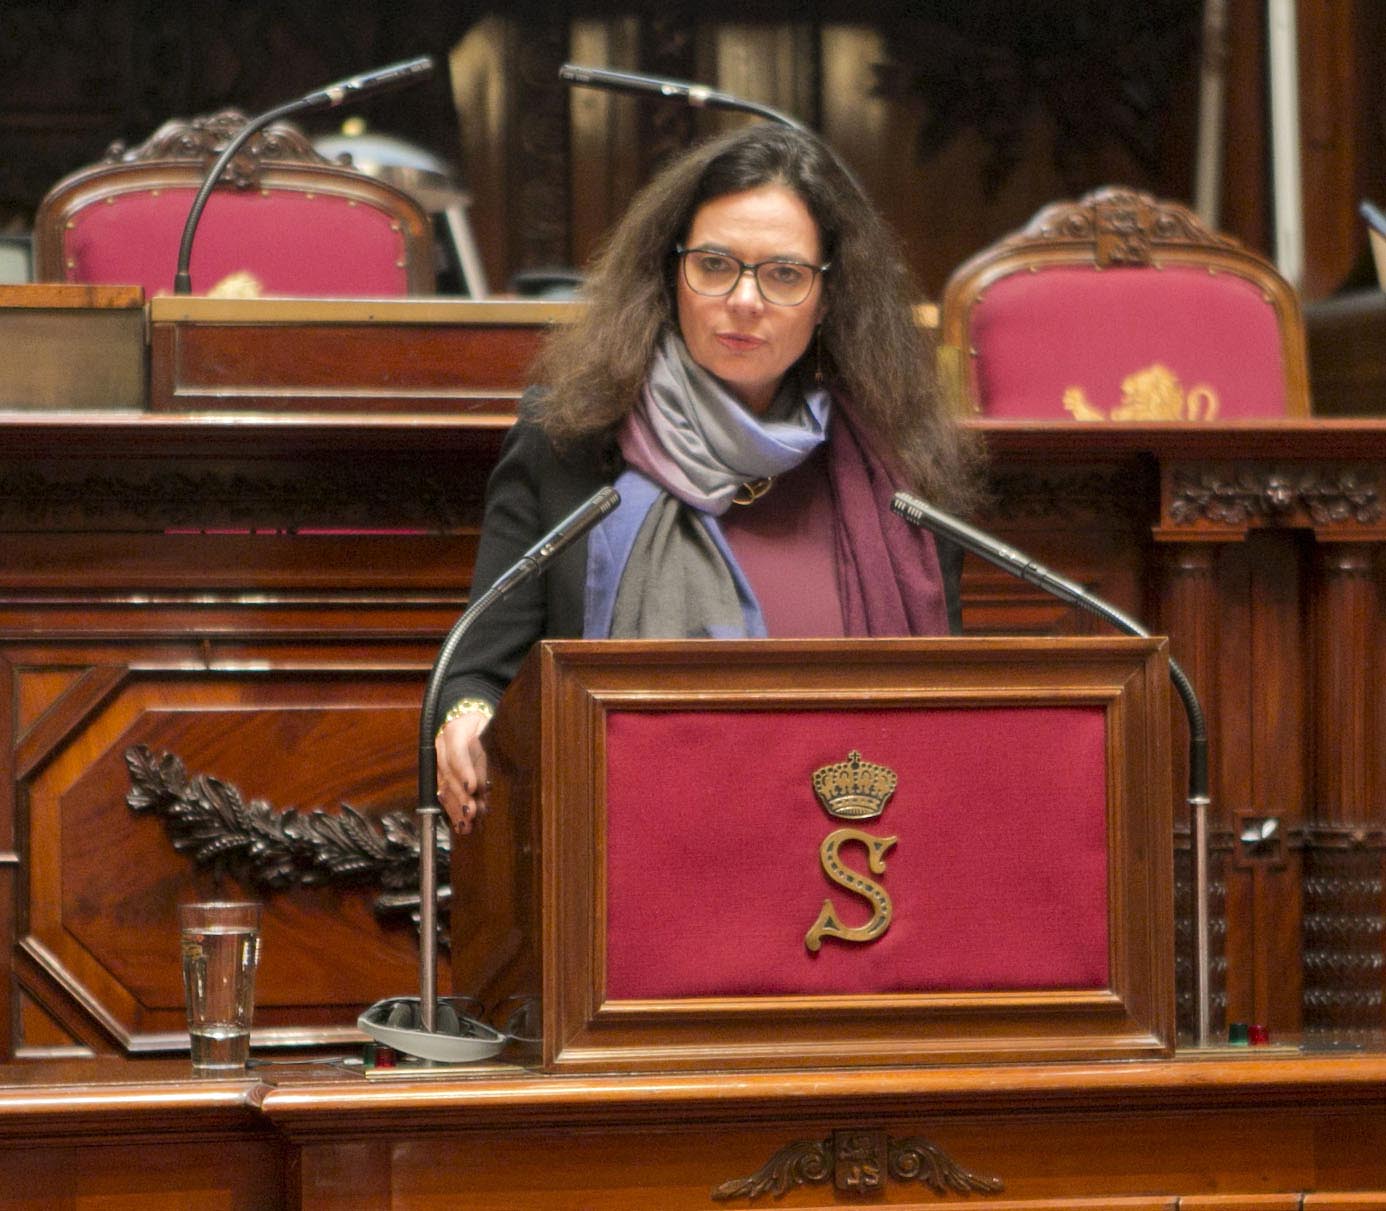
529	893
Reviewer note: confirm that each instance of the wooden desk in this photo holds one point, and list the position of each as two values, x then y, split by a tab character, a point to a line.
260	595
1205	1133
458	356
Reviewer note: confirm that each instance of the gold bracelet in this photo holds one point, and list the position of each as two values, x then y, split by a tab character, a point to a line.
467	706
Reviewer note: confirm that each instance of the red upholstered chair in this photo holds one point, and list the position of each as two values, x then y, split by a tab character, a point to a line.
283	221
1124	308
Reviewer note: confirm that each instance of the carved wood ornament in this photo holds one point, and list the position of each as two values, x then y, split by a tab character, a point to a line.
1121	227
209	820
1268	495
204	138
1117	227
858	1161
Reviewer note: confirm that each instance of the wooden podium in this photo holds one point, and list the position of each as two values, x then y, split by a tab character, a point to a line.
775	854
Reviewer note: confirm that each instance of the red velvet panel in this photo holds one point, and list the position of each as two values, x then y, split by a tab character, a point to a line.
1039	334
998	879
291	243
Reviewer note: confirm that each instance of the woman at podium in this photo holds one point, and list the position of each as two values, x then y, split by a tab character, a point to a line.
749	374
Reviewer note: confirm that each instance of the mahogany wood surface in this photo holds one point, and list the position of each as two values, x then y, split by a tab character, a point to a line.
1269	584
205	563
462	356
1212	1131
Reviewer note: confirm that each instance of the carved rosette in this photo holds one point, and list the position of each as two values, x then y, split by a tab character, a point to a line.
1268	495
858	1161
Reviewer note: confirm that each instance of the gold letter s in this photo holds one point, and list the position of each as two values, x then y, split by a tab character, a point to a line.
827	924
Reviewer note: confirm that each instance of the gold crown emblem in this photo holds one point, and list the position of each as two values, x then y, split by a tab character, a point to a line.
854	789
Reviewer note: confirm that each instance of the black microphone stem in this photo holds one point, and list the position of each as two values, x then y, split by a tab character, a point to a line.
1008	559
182	279
700	96
572	527
325	98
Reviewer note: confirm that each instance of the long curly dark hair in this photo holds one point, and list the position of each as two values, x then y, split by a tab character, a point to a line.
871	350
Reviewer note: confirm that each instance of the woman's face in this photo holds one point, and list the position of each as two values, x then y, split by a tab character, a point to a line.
745	341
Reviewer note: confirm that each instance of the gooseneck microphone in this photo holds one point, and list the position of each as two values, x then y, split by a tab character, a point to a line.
993	550
353	88
396	75
571	528
700	96
395	1021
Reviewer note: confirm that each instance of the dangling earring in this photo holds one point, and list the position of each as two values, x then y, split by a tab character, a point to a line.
818	355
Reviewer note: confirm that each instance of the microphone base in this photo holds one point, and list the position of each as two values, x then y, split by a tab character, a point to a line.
458	1039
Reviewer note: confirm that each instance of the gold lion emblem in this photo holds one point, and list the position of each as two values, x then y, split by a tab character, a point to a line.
1154	393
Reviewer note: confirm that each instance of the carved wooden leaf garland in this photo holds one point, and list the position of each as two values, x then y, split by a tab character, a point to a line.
209	820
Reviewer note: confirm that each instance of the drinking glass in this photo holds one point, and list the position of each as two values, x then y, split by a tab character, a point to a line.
221	948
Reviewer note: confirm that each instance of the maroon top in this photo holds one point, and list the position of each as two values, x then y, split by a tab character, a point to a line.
785	543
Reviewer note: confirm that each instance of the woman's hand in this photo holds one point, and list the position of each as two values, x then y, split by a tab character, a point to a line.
462	783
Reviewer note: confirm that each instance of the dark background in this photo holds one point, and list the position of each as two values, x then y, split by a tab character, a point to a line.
963	120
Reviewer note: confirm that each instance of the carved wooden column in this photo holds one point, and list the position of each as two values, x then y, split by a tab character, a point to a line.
1236	613
1279	625
1345	907
513	123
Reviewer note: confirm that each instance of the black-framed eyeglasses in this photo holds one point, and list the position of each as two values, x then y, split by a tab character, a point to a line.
782	282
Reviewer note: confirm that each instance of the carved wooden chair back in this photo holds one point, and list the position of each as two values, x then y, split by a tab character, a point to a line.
1124	308
284	220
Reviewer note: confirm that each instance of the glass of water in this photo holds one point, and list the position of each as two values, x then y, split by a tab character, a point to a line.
221	948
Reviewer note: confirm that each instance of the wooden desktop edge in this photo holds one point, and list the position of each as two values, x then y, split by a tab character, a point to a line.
293	1096
420	310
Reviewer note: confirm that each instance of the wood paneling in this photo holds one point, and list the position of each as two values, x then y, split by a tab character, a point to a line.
1218	1133
313	727
459	356
284	665
127	616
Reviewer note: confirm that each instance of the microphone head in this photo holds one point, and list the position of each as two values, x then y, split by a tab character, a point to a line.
908	507
396	75
606	499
